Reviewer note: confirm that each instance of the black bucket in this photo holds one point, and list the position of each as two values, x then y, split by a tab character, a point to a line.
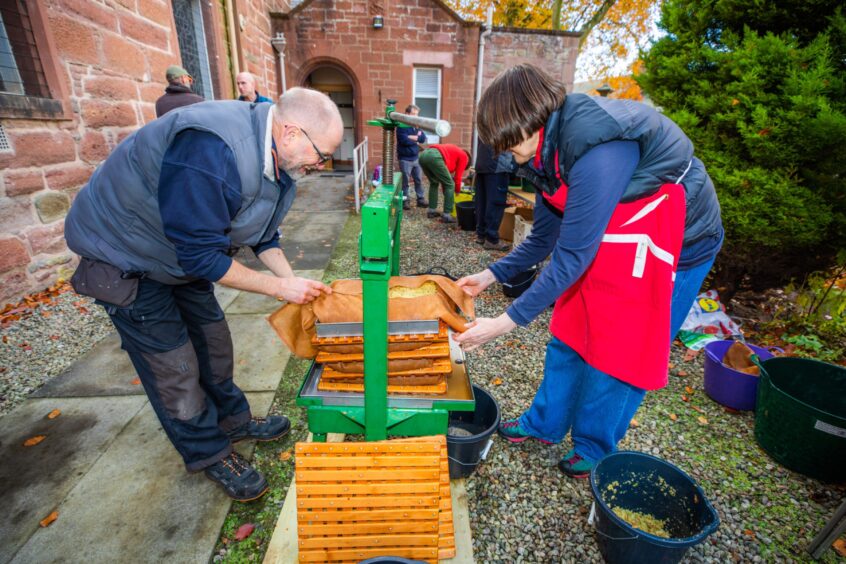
646	484
466	213
477	426
515	287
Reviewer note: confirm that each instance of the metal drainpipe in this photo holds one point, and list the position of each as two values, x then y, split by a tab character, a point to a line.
233	41
479	66
278	43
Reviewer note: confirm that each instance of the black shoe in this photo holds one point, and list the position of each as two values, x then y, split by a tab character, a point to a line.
433	214
261	429
238	479
406	206
446	218
480	240
421	203
500	246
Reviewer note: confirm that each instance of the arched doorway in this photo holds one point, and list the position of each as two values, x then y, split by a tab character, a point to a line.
335	83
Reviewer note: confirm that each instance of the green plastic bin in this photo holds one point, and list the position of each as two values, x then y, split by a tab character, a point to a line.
801	416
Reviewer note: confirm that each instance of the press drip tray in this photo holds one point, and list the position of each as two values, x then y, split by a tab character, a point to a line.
459	388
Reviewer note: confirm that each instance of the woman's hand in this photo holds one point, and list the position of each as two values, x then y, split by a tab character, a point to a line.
483	330
300	290
475	284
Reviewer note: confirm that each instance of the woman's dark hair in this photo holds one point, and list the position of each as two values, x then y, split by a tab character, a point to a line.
516	105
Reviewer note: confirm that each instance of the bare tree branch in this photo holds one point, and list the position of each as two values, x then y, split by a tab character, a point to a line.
595	20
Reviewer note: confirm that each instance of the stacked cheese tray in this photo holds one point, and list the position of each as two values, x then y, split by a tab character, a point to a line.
419	357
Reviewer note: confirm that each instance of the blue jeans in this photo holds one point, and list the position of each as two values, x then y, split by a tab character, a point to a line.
594	407
181	348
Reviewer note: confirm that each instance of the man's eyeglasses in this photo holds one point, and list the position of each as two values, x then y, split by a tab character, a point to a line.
322	157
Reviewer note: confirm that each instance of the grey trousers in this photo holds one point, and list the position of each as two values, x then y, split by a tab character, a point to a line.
412	169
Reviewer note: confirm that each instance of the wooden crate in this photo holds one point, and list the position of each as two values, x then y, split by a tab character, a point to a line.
360	500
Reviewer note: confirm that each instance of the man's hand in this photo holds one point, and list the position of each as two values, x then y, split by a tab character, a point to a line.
300	290
475	284
483	330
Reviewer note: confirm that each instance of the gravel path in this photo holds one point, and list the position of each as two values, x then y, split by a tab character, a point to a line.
45	343
522	509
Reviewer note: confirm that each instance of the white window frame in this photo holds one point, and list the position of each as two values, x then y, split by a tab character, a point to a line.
431	137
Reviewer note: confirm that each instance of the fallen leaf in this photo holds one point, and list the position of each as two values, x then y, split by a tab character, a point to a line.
690	355
49	519
688	389
225	541
730	410
53	414
697	409
285	455
671	366
136	381
34	440
673	416
54	337
749	533
840	547
685	398
633	423
681	373
244	531
702	420
5	338
497	381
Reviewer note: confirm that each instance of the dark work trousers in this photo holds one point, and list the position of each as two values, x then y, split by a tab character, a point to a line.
180	345
491	193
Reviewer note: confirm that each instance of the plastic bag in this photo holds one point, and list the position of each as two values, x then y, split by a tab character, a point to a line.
708	316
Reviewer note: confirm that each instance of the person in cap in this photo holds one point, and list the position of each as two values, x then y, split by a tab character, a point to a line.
246	84
178	92
159	222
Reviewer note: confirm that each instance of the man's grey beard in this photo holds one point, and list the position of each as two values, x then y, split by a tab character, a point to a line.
291	169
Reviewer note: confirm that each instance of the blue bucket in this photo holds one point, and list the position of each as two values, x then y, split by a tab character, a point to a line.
651	486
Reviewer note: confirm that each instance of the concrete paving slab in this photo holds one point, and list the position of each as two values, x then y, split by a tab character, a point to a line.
322	192
309	238
34	480
137	504
260	356
225	295
105	370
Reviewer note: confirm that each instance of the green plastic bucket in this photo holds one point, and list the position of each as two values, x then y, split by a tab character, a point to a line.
801	416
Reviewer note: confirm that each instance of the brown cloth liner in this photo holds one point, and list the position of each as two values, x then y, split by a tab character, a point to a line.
739	357
399	365
295	323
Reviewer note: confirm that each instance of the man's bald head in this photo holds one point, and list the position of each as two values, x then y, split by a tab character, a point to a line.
246	84
312	114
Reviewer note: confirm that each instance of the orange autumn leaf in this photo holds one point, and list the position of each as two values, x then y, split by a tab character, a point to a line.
690	355
688	389
840	547
697	409
633	423
702	420
34	440
49	519
673	416
682	373
136	382
734	101
53	414
285	455
497	381
685	398
671	366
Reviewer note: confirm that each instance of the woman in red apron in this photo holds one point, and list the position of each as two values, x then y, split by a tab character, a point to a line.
631	224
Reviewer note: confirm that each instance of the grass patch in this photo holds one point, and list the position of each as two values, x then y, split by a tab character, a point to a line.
264	513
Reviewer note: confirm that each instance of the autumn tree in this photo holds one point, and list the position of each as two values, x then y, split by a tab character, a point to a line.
761	90
611	30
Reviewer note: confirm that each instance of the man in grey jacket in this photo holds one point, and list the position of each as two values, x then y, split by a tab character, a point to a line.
160	220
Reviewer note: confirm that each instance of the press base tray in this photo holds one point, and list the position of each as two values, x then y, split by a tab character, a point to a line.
459	388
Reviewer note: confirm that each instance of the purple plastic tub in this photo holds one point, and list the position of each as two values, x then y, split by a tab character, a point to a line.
728	386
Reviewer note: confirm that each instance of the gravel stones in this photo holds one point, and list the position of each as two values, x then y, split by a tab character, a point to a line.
45	343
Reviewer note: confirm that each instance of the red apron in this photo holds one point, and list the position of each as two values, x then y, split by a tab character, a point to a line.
617	315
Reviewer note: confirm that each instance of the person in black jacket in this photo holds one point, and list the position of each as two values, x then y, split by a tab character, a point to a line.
178	92
407	153
492	174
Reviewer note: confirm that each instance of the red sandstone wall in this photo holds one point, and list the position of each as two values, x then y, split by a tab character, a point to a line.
381	61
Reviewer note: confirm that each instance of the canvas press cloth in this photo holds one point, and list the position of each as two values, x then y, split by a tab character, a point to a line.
410	298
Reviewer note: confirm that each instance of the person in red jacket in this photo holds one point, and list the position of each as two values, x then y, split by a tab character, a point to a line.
443	165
